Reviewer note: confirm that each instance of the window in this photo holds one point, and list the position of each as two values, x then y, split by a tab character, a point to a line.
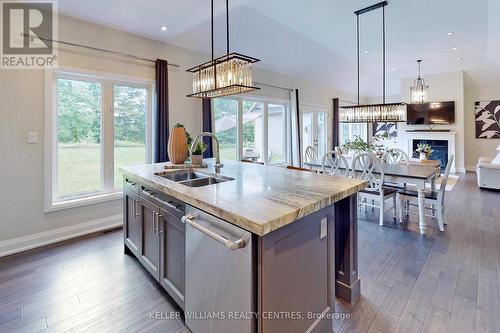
226	123
96	124
348	131
252	129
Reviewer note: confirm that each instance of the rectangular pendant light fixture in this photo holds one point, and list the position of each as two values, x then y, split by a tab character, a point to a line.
227	75
230	74
371	113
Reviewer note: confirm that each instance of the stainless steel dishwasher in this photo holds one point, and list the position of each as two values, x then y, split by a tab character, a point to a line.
219	296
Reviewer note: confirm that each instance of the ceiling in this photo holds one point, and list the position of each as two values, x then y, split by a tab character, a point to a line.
316	40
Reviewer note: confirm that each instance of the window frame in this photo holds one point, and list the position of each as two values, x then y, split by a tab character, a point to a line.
364	135
108	81
265	117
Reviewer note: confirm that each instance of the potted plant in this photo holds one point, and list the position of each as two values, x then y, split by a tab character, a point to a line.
424	151
197	154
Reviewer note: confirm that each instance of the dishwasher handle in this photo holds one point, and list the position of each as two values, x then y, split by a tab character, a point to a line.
233	245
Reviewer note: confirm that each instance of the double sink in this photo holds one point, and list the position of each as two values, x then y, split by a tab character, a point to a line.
193	178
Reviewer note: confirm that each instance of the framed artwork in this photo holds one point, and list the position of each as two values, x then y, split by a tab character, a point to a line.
382	128
487	119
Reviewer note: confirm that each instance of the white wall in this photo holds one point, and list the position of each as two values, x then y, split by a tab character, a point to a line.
479	86
21	109
442	87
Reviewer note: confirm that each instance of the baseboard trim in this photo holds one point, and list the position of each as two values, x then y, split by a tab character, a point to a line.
48	237
470	168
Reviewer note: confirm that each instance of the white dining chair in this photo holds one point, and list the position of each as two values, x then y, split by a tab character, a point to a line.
334	164
310	155
395	156
363	167
434	200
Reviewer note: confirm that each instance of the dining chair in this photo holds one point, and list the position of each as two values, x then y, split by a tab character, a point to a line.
395	156
310	155
334	164
250	161
291	167
434	200
368	167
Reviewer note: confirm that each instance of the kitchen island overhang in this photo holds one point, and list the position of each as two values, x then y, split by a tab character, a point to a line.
304	232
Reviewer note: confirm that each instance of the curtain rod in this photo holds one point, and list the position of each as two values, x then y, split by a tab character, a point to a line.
272	86
96	49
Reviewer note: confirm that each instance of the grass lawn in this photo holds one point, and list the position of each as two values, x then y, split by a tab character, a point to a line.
79	166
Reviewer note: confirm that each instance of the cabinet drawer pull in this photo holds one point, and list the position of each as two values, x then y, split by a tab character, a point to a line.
137	213
233	245
169	204
159	229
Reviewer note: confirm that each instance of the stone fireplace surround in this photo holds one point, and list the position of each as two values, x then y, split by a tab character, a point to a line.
432	135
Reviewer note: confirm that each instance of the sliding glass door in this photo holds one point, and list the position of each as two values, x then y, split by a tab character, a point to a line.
252	129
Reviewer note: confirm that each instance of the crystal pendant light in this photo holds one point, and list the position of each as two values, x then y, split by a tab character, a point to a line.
419	91
230	74
373	113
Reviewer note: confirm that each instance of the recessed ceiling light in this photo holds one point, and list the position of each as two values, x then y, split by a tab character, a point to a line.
454	48
366	51
393	69
450	33
459	58
163	28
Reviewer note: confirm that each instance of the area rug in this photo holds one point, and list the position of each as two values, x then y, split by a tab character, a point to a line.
452	181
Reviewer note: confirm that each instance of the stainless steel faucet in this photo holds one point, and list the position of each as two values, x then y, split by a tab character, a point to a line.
218	165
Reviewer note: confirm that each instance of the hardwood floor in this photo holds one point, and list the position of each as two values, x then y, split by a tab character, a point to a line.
441	282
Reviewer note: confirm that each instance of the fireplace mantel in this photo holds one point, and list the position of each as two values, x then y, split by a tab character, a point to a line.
432	135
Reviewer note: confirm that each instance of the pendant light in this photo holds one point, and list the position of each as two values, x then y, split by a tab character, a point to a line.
230	74
371	113
419	91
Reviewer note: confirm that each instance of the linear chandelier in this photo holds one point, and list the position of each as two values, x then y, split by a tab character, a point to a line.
371	113
419	92
230	74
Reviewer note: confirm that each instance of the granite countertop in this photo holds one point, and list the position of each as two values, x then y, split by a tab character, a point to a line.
260	199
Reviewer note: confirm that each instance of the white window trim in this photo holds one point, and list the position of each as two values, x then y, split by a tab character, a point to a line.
50	134
265	101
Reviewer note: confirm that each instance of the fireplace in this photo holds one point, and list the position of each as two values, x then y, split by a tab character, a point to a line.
439	147
437	139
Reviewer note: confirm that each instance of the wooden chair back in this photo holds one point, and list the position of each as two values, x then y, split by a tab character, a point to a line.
291	167
363	167
310	155
395	156
442	187
335	164
249	161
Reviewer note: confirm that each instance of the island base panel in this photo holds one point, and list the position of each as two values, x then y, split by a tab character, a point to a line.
347	283
295	275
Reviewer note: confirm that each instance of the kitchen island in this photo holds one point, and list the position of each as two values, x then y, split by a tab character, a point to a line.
254	249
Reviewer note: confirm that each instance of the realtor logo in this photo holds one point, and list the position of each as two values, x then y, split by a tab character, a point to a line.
27	30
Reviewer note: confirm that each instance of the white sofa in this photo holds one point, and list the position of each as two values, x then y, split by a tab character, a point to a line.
488	174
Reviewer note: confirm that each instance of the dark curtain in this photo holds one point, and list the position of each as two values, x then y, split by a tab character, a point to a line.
335	139
207	125
161	113
299	127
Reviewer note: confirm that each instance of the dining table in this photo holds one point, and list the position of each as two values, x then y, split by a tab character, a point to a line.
416	173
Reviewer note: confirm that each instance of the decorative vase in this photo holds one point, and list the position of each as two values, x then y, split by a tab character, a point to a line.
196	159
423	156
177	145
